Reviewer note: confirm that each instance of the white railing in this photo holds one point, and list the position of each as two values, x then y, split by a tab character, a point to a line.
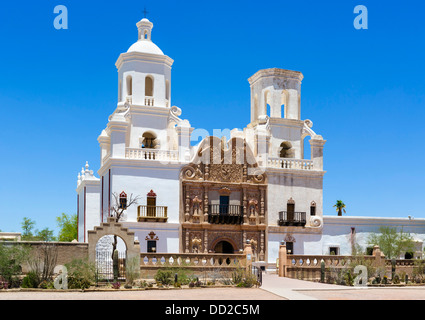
149	101
300	164
151	154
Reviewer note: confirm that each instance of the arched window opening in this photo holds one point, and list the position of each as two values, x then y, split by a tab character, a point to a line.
148	86
286	150
123	200
129	86
149	141
313	208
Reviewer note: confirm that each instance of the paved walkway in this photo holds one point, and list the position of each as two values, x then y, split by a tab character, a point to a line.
172	294
288	288
294	289
273	288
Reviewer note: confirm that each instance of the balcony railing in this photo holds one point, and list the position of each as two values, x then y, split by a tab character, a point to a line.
292	219
152	213
225	214
151	154
285	163
149	101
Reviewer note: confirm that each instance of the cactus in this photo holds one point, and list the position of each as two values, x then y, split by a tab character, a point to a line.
115	265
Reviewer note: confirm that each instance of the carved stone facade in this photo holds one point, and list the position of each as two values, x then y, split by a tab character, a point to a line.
223	171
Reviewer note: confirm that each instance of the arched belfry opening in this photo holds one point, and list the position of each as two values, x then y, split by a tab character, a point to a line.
149	141
129	83
286	150
267	103
149	86
277	89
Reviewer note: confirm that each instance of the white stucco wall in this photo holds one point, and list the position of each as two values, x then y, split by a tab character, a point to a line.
167	233
140	180
302	188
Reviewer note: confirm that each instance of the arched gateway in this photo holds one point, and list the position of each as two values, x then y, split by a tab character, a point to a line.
111	227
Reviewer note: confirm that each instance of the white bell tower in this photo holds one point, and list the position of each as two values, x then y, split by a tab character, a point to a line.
144	72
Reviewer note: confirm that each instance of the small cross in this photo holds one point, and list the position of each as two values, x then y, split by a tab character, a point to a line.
145	12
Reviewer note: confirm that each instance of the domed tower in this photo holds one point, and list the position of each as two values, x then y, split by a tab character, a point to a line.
144	72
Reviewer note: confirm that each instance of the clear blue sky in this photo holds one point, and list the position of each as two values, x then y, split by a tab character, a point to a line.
364	90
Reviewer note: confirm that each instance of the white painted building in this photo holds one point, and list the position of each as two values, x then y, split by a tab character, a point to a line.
215	196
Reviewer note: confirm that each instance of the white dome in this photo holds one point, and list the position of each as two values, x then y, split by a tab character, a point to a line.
145	46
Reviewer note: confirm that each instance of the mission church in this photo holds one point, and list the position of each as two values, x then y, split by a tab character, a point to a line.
215	196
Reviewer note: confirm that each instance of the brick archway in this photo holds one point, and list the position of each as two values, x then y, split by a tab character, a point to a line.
111	227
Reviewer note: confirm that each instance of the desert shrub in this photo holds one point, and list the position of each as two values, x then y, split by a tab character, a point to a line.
164	277
396	279
31	280
45	284
81	274
132	270
194	281
140	283
243	278
116	285
418	270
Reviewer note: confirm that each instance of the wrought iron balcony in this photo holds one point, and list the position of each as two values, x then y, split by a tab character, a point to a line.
286	218
225	214
152	213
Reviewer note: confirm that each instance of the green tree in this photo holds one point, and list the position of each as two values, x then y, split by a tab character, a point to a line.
44	235
68	227
37	235
392	243
340	206
27	229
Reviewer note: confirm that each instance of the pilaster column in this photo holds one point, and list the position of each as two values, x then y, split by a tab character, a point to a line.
245	206
205	203
317	144
187	241
187	205
262	258
262	206
205	241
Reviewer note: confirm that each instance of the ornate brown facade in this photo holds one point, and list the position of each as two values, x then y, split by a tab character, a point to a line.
223	202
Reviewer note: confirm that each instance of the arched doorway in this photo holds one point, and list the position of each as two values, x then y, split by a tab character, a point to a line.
224	247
